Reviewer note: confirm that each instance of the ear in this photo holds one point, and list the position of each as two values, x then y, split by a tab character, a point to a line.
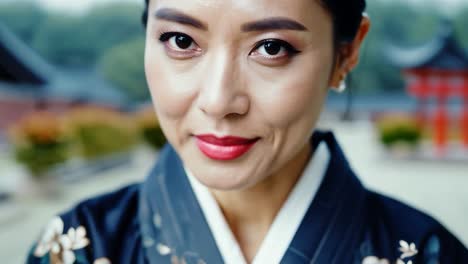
355	46
348	57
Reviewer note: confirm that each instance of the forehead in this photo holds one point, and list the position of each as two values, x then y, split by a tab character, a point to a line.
213	12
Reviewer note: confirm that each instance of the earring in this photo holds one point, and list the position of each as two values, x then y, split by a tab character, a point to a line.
341	87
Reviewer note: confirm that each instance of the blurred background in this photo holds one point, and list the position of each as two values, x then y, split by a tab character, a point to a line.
76	117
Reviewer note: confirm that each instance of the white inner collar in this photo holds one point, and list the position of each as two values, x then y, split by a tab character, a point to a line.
285	224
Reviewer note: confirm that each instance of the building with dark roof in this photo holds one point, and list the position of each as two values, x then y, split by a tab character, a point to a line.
28	82
441	53
436	72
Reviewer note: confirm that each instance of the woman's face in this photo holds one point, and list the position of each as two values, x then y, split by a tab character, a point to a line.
238	85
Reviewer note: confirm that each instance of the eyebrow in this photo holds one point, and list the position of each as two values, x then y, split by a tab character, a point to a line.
173	15
272	23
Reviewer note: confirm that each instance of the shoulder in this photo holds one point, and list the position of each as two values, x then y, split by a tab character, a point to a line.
393	221
396	213
106	210
95	228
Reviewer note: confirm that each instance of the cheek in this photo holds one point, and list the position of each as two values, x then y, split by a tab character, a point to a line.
172	93
297	95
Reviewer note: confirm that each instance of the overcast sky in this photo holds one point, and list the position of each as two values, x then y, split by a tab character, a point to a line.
447	6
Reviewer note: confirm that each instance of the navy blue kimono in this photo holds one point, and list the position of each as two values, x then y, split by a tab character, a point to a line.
160	221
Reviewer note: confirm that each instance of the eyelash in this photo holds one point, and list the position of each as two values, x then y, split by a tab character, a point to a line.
166	36
291	51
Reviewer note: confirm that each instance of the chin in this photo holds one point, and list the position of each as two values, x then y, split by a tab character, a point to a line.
223	180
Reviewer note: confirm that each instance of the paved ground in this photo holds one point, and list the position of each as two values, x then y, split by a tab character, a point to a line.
438	188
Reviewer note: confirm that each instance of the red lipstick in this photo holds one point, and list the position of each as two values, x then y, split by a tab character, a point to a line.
224	148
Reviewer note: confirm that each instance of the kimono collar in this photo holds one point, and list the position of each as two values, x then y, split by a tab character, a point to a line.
285	224
174	229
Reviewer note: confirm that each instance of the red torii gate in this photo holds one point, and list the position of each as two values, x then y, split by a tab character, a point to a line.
427	84
437	70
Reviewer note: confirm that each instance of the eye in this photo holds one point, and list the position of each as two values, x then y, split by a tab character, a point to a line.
179	44
274	49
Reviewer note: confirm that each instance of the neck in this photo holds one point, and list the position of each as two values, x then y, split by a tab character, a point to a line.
250	212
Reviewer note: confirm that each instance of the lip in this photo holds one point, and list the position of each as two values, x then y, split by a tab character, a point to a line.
224	148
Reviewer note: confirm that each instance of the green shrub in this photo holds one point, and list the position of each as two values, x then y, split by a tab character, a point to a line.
154	137
150	129
399	129
101	132
40	158
40	141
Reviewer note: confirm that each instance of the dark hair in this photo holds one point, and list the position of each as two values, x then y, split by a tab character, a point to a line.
144	17
346	15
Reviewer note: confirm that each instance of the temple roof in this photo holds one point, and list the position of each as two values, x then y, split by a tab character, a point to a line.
443	53
20	63
23	72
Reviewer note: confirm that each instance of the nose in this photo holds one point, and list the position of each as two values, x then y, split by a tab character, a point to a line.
222	93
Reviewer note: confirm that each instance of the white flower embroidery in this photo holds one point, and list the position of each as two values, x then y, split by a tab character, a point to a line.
374	260
61	245
74	239
102	261
399	261
50	238
408	250
163	249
